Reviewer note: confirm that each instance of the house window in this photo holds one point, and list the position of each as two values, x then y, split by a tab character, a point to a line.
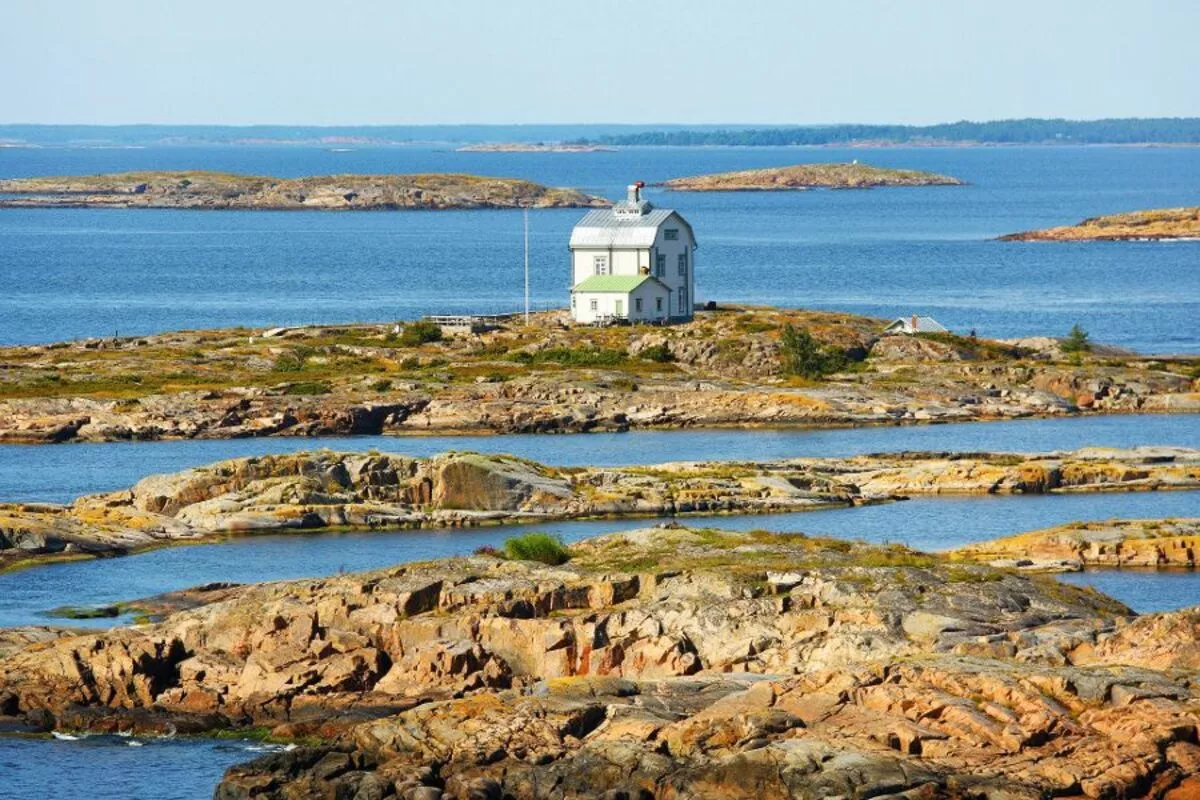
594	305
658	304
671	234
599	265
683	263
618	308
683	298
637	304
660	265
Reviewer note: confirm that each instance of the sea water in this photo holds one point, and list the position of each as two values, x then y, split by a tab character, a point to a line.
71	273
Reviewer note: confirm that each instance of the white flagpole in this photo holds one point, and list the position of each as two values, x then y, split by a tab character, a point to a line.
526	209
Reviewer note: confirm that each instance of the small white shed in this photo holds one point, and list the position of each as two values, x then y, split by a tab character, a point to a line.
915	324
633	298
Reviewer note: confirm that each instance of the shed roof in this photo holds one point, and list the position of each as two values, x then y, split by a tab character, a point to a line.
613	283
605	228
924	325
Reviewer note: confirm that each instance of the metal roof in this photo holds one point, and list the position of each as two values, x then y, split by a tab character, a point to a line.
605	228
613	283
924	325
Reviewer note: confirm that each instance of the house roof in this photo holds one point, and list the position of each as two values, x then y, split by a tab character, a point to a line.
605	228
924	325
622	284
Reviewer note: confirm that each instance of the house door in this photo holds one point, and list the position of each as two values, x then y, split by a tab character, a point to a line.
618	308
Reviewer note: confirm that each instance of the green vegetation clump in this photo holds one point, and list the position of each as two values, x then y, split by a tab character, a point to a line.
800	354
381	385
572	357
294	360
541	547
419	333
84	612
658	352
1076	341
305	388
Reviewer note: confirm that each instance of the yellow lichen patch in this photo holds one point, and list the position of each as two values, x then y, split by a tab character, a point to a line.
797	399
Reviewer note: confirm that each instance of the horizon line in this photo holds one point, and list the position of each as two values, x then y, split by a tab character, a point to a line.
575	124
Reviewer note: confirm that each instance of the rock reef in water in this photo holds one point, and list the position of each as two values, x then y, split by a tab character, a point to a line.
368	491
1157	224
809	176
1145	543
659	663
533	147
219	190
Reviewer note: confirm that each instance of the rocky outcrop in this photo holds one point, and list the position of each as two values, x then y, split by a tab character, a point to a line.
1158	543
661	663
219	190
723	369
809	176
199	415
1156	224
368	491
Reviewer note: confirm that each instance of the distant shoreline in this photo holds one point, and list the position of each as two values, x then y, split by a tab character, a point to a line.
520	147
1120	132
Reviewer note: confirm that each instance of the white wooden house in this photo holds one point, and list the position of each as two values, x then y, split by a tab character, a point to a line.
634	263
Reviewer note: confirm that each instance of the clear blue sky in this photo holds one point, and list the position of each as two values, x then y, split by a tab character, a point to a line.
513	61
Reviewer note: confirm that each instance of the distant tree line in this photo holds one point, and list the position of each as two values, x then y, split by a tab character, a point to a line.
1164	130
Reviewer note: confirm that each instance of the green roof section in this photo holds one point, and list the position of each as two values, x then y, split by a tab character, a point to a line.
612	283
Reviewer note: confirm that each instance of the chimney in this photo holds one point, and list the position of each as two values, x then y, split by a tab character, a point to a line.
914	323
633	194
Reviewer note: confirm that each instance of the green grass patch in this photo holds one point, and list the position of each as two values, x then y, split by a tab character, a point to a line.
572	357
308	388
544	548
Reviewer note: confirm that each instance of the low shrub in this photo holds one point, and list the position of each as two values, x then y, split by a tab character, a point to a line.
1076	341
541	547
572	357
801	354
308	388
382	385
658	352
419	333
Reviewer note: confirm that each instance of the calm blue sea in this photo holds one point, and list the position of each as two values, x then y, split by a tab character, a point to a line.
78	273
60	473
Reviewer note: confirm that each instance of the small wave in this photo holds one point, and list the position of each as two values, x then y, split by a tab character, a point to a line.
66	737
136	743
269	748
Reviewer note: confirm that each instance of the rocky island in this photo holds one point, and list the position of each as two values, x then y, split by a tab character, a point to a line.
656	663
1120	543
809	176
377	491
220	190
731	366
1155	225
533	147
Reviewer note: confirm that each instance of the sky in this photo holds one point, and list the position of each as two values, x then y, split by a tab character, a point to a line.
366	62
